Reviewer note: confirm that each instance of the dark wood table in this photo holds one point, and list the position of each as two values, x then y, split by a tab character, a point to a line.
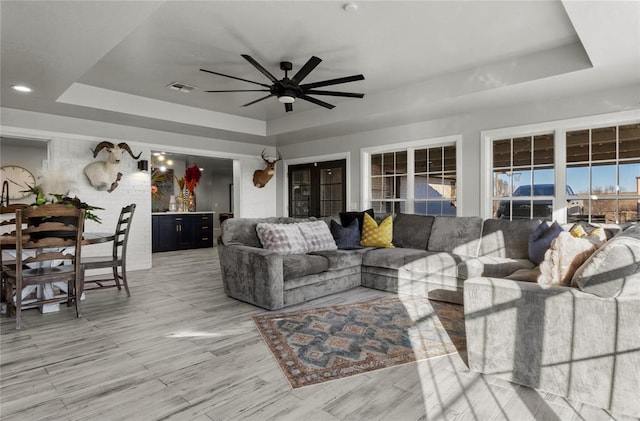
8	242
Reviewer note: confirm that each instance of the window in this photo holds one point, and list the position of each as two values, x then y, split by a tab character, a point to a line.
389	182
317	189
523	177
603	167
435	181
414	180
596	160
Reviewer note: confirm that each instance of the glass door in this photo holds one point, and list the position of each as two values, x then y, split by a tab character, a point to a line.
317	189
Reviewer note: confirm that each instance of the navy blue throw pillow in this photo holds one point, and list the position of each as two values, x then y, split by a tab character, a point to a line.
346	218
347	238
540	240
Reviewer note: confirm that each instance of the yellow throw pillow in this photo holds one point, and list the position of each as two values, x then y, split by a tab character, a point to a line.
377	236
578	231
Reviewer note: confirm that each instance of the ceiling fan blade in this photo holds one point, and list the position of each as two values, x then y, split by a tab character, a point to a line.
332	82
317	101
257	100
237	78
306	69
244	90
332	93
258	66
288	107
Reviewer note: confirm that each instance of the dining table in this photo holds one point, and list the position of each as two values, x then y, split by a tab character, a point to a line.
46	291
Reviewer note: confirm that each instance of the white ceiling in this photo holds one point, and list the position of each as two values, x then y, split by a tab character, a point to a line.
111	61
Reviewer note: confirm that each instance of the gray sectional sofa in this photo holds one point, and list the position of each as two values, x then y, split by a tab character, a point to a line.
581	342
433	255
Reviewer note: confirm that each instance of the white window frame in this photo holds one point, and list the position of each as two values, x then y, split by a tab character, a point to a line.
559	128
409	147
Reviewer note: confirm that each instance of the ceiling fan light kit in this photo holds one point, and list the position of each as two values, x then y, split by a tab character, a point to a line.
287	90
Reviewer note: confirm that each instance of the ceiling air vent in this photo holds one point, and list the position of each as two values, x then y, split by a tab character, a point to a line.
182	87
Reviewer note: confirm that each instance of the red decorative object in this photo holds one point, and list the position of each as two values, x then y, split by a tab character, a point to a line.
192	177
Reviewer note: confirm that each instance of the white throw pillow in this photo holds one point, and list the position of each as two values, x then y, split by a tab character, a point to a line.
317	236
566	254
281	238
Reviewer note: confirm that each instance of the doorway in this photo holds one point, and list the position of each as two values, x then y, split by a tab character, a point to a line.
317	189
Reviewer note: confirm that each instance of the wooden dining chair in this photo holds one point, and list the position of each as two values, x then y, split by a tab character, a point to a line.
54	233
118	258
7	227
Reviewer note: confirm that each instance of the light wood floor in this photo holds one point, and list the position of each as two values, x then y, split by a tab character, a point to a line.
180	349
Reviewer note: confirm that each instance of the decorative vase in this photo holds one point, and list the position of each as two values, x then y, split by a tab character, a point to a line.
191	202
182	201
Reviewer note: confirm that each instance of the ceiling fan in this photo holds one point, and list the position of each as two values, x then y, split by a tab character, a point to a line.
288	90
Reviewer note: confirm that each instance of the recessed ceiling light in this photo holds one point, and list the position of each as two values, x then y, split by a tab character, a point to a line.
21	88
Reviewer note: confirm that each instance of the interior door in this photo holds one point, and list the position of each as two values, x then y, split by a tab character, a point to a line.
317	189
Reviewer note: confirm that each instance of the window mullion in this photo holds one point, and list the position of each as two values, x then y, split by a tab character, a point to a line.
560	165
409	205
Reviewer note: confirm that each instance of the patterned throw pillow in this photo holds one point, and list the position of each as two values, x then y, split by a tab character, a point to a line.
282	238
377	236
347	238
579	231
317	236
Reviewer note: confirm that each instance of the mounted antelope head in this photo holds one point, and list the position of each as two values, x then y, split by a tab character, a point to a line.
262	177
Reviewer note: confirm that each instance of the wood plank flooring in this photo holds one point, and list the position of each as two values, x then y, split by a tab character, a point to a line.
180	349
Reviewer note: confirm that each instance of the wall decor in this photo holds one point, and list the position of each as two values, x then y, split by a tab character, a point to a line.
104	175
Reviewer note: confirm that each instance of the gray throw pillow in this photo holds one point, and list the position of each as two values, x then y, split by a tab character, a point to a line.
412	231
614	269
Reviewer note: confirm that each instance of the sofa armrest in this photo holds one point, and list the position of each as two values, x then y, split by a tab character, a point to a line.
557	339
253	275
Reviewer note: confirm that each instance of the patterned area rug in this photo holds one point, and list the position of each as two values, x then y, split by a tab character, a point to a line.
317	345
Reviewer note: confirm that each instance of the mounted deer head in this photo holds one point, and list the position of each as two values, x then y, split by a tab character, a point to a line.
262	177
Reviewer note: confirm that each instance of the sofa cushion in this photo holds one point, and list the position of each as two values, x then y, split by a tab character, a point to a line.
281	238
498	267
504	238
374	235
317	236
525	275
346	238
391	258
566	254
614	269
437	263
340	259
412	231
455	234
346	218
540	240
299	265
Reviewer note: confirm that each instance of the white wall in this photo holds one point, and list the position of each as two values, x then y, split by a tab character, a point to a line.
31	157
69	148
469	126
